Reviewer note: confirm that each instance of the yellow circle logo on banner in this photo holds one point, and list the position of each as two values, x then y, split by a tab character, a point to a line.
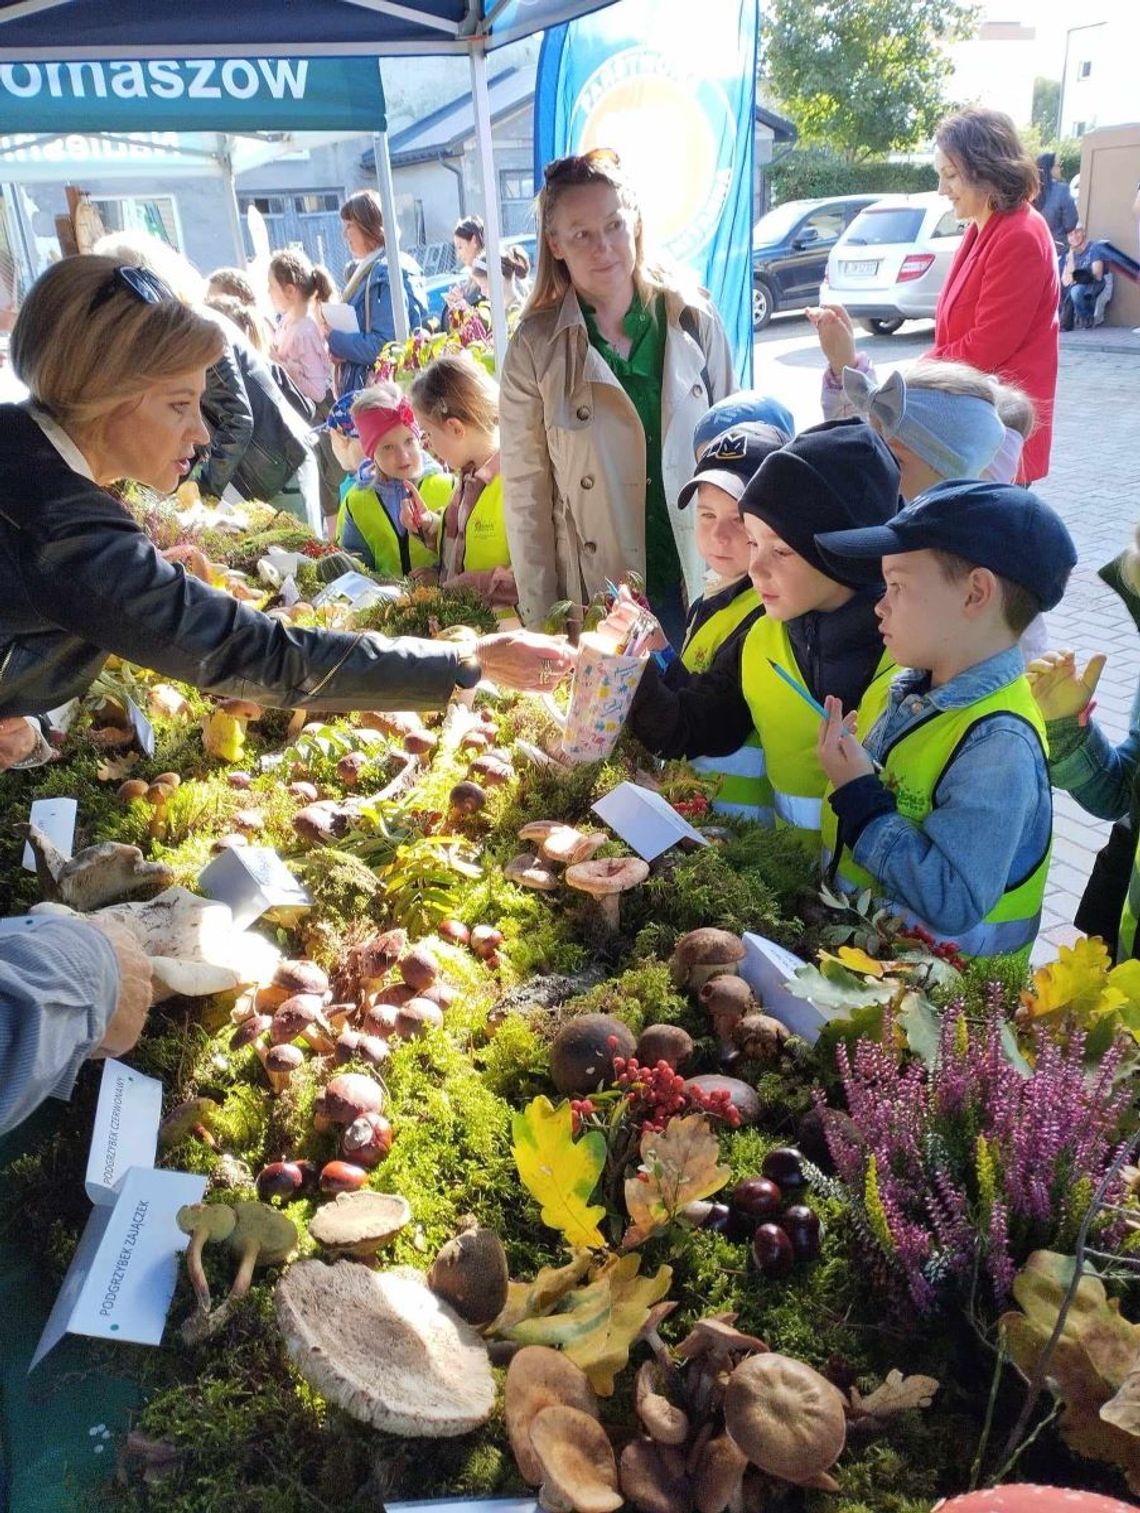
668	128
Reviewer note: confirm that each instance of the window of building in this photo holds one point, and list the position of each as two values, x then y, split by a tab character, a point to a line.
1078	128
1084	69
156	214
516	197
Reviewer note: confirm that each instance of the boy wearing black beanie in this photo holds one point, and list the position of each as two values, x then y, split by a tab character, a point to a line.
819	627
956	827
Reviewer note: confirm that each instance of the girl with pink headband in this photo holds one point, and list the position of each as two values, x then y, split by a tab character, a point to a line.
371	523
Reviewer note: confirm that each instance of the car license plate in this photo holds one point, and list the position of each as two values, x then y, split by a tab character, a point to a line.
860	270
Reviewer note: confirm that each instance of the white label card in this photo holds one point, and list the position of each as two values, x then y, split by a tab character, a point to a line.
252	879
766	968
645	820
56	818
121	1281
126	1129
143	729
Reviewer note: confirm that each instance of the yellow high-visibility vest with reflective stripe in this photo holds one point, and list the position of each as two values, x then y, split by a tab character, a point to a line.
789	728
374	523
742	787
913	767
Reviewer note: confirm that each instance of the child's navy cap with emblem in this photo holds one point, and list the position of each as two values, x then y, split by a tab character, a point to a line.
731	458
1008	529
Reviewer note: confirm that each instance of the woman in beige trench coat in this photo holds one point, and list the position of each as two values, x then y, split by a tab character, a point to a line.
577	472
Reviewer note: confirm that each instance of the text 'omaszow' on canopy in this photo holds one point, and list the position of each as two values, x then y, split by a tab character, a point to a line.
157	79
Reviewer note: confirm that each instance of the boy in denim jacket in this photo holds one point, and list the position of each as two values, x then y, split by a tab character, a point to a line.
954	829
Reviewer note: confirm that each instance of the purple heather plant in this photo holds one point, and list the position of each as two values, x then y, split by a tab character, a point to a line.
972	1163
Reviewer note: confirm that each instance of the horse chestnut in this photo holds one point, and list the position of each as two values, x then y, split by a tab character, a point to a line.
758	1197
772	1251
785	1167
802	1227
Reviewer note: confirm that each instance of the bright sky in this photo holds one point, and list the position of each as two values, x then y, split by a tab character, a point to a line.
1051	19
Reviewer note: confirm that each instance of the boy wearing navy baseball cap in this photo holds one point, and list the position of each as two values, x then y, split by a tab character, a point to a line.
956	828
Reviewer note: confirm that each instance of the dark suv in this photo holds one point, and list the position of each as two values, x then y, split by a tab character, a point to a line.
789	251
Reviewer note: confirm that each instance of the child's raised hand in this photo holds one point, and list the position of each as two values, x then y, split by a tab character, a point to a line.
839	752
414	513
836	335
1059	689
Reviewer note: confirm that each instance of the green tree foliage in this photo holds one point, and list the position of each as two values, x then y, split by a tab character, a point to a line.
864	76
1046	100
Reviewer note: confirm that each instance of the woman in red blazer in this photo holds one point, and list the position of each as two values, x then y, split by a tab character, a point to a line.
998	308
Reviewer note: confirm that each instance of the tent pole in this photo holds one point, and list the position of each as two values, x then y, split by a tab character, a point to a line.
233	209
492	231
391	233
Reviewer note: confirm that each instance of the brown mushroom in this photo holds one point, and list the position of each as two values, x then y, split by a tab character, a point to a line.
582	1056
360	1223
390	722
351	766
566	846
250	820
322	823
420	742
372	959
204	1223
664	1042
250	1029
440	993
470	1273
465	800
485	941
348	1096
538	830
605	882
578	1470
663	1422
308	793
718	1482
132	789
280	1062
158	796
301	976
300	1017
652	1481
759	1037
726	1000
242	780
704	953
453	930
492	770
417	1017
540	1377
189	1118
530	871
419	968
787	1418
359	1045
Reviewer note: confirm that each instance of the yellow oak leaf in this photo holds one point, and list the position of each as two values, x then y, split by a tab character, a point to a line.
896	1394
596	1325
558	1170
115	769
526	1300
678	1166
859	961
1076	983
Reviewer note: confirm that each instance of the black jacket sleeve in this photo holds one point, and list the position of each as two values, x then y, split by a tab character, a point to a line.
229	414
84	569
706	716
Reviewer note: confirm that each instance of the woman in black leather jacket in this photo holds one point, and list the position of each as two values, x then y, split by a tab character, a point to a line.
115	367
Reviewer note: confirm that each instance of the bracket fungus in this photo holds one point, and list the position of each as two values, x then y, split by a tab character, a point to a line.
470	1273
360	1223
95	876
605	881
540	1377
787	1418
579	1474
383	1347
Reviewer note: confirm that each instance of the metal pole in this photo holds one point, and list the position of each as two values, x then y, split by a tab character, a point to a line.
492	235
391	233
233	209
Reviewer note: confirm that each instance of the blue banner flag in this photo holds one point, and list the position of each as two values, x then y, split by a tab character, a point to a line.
192	94
671	88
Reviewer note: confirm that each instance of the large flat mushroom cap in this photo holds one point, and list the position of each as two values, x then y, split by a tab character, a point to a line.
384	1348
360	1221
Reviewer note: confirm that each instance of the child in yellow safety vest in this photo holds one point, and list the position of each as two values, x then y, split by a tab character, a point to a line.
371	520
817	628
721	617
456	403
953	830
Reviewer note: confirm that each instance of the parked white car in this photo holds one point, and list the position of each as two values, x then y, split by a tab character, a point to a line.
891	262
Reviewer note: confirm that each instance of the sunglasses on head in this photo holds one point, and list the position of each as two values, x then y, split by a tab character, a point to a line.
580	165
139	282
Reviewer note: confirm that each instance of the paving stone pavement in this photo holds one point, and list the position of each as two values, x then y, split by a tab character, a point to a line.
1094	484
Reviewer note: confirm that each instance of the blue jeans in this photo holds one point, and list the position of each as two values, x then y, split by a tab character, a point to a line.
1085	297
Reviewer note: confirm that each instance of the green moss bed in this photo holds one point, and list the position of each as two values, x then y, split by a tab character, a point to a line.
246	1432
